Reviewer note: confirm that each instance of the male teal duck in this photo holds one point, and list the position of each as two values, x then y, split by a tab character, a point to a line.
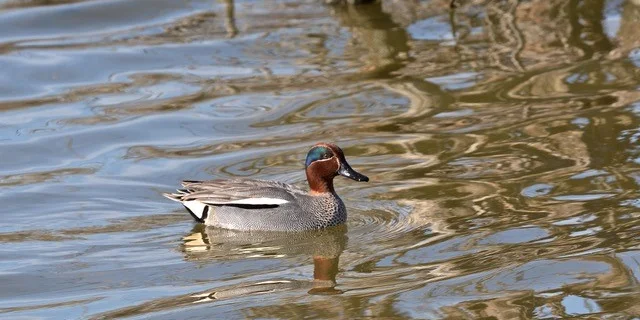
243	204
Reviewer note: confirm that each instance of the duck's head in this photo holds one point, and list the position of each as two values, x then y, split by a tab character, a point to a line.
324	162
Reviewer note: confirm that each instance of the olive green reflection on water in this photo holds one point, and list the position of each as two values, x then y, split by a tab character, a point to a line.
501	139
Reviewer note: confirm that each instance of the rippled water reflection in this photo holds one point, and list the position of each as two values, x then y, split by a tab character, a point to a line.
501	139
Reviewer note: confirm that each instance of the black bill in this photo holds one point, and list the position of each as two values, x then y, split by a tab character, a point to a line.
346	171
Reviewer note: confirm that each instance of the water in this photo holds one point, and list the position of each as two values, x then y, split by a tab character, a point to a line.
501	140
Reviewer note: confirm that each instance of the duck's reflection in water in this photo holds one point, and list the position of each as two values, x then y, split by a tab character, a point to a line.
324	246
205	245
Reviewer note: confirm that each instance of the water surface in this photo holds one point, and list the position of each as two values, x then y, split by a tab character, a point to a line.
501	140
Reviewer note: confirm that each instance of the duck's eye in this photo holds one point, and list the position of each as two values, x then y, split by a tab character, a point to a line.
326	155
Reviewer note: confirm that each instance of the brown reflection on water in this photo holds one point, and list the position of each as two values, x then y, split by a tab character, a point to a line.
379	43
204	245
554	304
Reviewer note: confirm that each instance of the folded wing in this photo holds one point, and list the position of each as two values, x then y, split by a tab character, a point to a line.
197	196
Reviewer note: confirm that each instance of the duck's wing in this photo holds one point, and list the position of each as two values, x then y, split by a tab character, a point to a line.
258	194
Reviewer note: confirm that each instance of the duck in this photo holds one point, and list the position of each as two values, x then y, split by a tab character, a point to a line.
263	205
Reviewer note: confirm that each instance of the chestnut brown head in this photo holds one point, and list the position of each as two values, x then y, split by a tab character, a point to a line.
324	162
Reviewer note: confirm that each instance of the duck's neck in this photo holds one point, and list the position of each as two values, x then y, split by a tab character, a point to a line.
319	185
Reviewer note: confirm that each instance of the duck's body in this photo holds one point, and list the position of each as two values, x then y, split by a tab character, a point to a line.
259	205
271	205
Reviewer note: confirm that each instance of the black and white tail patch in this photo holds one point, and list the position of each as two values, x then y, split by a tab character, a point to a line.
197	209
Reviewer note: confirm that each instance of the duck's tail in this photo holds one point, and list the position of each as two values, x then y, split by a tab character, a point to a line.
197	209
176	196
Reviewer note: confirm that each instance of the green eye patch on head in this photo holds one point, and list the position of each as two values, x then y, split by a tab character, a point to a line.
318	153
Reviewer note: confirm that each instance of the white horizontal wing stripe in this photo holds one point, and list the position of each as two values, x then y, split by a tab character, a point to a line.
259	201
